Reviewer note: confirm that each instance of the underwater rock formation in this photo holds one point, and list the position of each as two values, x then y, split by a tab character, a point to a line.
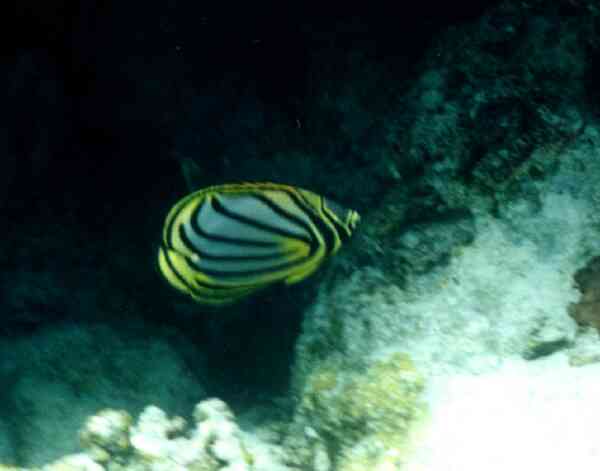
587	310
54	380
356	421
494	316
539	414
470	271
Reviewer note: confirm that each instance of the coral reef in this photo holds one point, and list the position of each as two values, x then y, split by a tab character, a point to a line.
157	442
111	441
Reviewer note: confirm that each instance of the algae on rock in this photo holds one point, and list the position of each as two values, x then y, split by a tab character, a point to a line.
368	411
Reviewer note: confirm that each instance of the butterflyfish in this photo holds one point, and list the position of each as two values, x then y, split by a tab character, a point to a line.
223	243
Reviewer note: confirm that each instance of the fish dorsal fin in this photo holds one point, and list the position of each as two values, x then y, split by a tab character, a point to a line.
192	174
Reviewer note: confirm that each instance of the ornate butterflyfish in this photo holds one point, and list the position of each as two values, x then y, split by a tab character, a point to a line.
223	243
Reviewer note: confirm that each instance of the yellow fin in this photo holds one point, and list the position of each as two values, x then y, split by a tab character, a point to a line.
302	274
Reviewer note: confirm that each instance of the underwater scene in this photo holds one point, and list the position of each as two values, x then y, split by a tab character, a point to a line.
292	238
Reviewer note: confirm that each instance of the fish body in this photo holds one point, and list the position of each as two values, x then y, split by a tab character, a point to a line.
223	243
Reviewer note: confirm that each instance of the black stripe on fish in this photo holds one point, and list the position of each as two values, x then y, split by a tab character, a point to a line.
284	213
218	207
169	229
208	256
223	238
254	272
342	231
199	283
329	235
175	272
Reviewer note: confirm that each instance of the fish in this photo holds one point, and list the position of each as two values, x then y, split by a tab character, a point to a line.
223	243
